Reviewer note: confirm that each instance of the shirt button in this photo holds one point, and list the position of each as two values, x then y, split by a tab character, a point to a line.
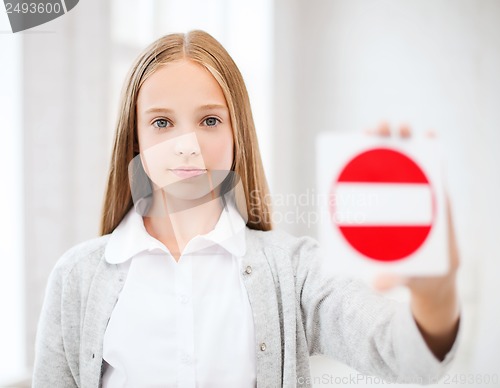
248	270
263	346
184	299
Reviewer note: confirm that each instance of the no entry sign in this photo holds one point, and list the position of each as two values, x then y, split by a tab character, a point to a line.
372	204
381	204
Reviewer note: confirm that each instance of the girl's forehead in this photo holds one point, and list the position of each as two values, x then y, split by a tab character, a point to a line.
181	81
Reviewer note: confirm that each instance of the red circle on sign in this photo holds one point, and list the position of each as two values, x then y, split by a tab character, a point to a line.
382	242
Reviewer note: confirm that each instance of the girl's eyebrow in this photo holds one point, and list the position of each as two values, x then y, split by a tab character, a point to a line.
212	106
202	107
159	110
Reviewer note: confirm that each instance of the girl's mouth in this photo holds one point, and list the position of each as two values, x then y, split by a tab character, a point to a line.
188	172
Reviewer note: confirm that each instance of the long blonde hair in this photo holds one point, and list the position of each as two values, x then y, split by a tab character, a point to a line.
202	48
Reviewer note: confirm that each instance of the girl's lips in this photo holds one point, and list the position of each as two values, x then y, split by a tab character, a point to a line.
188	173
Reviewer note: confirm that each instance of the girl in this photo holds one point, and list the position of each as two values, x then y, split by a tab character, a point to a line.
189	286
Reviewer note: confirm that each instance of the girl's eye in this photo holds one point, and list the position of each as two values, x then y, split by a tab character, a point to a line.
160	123
211	121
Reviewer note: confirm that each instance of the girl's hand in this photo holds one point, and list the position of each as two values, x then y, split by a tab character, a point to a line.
434	300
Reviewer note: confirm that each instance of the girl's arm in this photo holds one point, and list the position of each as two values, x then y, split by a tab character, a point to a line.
437	318
434	302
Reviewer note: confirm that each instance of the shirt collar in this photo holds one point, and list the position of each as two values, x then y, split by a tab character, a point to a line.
130	237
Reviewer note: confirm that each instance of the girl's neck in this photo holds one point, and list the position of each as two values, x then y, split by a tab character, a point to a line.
174	221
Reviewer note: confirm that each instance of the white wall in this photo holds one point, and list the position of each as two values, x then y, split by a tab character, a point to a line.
12	296
345	65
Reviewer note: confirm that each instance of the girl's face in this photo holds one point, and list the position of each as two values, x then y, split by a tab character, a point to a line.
184	129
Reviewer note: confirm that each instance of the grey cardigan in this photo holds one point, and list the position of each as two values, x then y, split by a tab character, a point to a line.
298	311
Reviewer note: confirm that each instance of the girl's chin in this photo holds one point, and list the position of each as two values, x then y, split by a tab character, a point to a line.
189	192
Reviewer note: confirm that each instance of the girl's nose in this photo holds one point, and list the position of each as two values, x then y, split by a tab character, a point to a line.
187	145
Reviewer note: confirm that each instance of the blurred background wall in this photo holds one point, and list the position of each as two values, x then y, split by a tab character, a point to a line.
310	66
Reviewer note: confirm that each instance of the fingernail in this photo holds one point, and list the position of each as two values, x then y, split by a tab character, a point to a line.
404	131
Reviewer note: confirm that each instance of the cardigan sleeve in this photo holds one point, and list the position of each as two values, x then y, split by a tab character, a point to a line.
346	320
51	368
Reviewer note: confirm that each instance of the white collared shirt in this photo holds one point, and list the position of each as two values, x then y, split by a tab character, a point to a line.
182	324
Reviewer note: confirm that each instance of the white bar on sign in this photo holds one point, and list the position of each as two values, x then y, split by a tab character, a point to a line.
382	204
